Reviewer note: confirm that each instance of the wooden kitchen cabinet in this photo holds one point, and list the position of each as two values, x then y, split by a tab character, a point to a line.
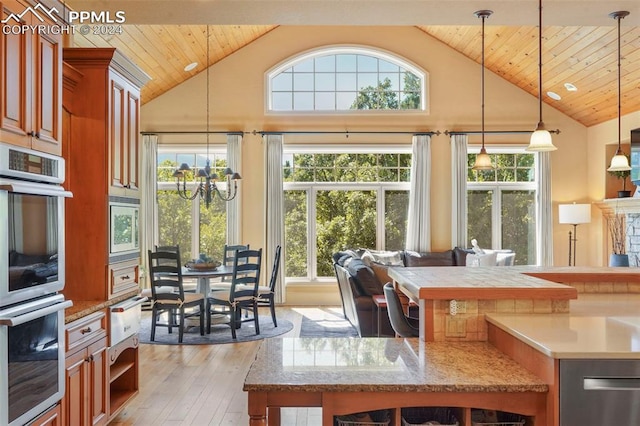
123	374
51	417
31	78
102	152
86	395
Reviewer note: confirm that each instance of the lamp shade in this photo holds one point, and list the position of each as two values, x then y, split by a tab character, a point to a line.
574	213
541	141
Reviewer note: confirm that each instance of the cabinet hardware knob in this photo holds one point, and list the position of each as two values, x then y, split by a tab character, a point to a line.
37	135
31	133
86	330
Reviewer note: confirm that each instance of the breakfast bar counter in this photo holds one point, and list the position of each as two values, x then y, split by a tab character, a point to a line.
454	300
345	376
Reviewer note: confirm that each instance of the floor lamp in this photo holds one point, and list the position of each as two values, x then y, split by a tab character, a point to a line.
574	214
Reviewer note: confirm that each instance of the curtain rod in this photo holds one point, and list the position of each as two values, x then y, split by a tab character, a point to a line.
344	132
493	132
194	132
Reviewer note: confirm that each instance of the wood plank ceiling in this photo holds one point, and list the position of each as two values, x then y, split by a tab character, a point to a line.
584	56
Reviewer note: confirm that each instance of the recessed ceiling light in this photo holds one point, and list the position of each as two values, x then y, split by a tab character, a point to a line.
554	96
191	66
570	87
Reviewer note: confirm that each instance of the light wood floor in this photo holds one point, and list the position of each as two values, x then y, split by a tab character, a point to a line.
202	384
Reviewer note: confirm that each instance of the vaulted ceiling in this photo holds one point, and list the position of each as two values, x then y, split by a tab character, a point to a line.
583	55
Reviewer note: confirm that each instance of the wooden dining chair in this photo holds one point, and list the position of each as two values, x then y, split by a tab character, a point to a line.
168	295
228	254
242	294
267	294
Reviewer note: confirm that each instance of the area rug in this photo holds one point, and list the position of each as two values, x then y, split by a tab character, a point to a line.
329	323
220	333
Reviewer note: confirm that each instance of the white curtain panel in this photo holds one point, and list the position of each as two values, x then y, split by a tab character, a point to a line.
148	203
419	218
234	207
545	212
274	210
459	190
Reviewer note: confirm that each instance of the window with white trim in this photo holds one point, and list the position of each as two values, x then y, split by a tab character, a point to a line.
342	197
339	79
501	203
188	223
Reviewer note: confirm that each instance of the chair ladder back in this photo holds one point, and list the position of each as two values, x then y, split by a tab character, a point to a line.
246	274
166	271
275	269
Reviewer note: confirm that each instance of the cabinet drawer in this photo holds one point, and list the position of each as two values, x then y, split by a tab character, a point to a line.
123	277
85	330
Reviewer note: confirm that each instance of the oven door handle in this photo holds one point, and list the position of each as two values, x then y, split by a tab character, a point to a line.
30	316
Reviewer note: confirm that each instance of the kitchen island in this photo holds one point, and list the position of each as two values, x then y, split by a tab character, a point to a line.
589	358
476	292
346	375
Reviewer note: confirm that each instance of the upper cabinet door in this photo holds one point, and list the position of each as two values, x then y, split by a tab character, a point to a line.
31	79
15	77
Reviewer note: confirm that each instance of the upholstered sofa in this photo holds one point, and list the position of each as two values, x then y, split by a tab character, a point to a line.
361	274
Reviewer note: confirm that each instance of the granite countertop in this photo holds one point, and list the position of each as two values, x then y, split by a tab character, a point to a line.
488	282
598	327
385	365
82	308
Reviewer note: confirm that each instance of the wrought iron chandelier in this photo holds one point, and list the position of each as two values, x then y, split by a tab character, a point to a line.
206	187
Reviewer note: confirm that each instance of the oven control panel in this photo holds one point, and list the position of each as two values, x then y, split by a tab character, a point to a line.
31	165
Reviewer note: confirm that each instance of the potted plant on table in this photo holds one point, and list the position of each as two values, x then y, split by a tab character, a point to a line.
618	235
624	174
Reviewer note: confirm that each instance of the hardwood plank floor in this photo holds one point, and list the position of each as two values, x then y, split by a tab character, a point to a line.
202	384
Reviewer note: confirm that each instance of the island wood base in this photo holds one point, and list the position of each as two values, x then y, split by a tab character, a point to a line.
530	404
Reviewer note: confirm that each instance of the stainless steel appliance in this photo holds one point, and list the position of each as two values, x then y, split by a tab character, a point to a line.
31	224
599	392
32	364
125	319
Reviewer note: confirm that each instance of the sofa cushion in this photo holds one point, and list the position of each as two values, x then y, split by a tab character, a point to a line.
382	257
460	255
381	272
343	255
444	258
364	277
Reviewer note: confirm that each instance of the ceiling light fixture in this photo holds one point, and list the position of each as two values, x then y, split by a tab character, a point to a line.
206	188
540	138
554	96
570	87
191	66
483	161
619	162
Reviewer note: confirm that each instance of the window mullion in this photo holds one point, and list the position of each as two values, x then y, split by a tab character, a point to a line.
380	194
496	239
195	227
311	234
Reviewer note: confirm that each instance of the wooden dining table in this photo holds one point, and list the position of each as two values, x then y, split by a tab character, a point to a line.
205	275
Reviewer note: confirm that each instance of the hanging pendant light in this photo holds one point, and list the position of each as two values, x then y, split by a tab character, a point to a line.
540	138
483	161
619	162
207	188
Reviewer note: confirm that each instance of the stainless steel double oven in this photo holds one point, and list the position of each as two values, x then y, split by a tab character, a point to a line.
32	263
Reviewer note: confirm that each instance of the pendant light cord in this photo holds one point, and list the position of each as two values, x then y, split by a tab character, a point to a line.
540	60
484	16
208	92
619	18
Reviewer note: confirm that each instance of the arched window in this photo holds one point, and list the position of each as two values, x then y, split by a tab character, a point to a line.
342	79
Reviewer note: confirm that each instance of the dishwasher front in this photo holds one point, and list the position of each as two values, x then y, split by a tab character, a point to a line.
599	392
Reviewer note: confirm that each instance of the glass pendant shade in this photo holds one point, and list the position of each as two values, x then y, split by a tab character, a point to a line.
619	163
541	141
483	161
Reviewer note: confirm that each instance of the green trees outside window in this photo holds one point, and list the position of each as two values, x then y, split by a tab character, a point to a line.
501	205
335	201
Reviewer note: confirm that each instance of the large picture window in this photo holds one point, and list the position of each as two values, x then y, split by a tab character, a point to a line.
501	204
339	79
342	199
189	224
